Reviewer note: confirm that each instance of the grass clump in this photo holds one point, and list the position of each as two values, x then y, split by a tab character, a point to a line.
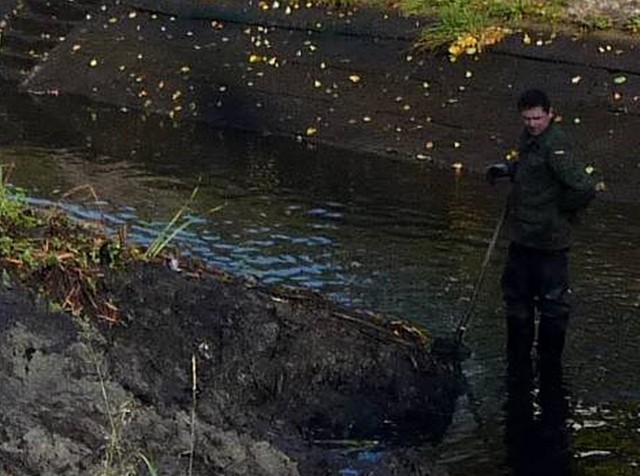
63	260
66	263
457	19
632	24
47	252
179	222
596	22
469	26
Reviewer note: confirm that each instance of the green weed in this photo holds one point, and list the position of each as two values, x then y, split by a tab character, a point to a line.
171	230
177	224
633	24
596	22
150	468
13	212
455	19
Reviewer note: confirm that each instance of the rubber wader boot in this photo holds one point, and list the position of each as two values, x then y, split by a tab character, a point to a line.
521	331
551	338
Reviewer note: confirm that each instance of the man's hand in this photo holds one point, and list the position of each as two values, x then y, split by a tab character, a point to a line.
496	171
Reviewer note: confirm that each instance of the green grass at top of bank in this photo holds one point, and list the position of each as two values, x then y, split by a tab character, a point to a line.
457	19
468	26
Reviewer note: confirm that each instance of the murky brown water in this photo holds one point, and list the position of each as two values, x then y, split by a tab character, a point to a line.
398	237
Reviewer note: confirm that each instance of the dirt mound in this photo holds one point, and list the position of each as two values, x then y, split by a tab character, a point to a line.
280	377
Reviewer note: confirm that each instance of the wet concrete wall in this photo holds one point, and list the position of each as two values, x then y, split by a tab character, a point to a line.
349	78
6	6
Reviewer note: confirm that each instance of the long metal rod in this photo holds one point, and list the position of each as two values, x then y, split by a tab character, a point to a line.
464	322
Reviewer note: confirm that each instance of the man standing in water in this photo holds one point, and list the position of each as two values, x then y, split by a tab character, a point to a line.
548	189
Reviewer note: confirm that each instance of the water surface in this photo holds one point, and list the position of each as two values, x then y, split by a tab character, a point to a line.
403	238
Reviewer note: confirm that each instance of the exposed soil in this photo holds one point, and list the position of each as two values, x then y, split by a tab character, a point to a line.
286	383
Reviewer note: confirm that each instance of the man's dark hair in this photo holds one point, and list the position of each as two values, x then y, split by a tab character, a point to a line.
534	98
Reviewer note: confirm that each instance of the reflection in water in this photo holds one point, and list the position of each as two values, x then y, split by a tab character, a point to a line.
536	429
396	237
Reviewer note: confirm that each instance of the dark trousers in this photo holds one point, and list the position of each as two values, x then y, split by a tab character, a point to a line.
533	280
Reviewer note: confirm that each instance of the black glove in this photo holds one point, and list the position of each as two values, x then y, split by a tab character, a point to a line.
496	171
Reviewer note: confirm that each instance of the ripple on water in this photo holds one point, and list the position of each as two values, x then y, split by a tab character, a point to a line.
393	237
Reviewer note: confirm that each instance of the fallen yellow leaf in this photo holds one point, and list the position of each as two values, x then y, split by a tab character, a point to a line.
354	78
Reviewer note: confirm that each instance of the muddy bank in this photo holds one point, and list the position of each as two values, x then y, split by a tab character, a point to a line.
286	383
348	78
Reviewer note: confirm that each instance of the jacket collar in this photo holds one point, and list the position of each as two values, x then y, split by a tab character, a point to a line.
527	139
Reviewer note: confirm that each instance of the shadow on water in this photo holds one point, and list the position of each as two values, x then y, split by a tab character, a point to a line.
537	436
397	237
293	214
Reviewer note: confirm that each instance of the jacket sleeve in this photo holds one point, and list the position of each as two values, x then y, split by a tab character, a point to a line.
579	187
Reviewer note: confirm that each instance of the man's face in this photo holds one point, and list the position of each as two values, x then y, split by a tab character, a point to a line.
536	120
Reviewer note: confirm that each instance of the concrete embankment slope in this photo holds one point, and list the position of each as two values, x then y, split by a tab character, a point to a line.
351	79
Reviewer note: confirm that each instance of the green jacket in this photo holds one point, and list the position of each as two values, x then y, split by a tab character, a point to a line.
549	188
